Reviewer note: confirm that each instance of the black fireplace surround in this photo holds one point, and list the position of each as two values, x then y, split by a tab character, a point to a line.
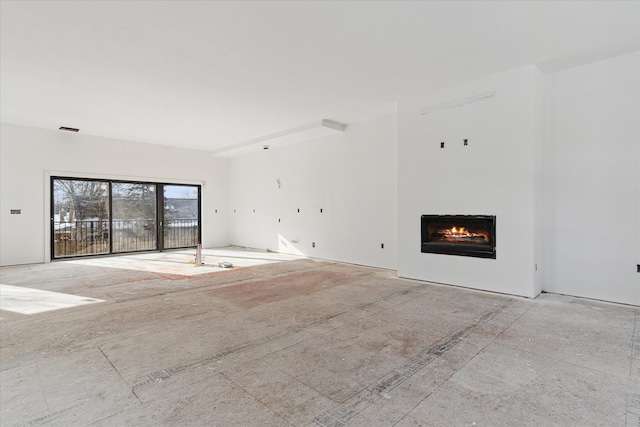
464	235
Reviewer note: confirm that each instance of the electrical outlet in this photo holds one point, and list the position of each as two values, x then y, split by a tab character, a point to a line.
313	244
381	245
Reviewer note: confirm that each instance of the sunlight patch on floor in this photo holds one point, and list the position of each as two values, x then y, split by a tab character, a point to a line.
183	262
23	300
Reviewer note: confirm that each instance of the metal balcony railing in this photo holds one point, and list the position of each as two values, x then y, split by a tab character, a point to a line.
88	237
180	232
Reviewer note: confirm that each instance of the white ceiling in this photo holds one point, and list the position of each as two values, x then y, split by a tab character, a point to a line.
207	75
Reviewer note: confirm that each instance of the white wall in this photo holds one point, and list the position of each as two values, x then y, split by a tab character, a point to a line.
592	180
493	175
29	155
352	177
564	185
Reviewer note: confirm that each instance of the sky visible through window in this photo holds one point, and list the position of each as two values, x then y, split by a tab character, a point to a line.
180	192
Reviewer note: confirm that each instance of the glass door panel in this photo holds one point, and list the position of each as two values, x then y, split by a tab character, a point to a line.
79	217
181	221
93	216
134	225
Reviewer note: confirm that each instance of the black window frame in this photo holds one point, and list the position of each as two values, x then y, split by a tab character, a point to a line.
160	247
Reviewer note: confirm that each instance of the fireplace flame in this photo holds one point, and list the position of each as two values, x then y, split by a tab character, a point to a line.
462	232
455	231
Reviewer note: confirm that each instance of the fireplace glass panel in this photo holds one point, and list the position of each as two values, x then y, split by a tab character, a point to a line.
465	235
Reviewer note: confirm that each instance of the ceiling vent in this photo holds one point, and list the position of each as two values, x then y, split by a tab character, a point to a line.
69	129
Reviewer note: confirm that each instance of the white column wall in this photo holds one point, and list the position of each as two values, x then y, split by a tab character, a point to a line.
29	156
493	175
351	176
592	180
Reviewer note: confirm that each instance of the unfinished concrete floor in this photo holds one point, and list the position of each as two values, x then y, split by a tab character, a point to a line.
309	343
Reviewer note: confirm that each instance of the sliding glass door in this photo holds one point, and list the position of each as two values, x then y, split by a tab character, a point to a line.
181	205
92	217
79	217
134	217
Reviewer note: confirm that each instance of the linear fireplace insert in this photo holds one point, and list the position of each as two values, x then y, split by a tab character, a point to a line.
465	235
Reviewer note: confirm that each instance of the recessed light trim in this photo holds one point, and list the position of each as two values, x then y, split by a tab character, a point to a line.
68	129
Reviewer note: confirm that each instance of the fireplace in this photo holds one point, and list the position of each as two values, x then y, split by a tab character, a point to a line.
465	235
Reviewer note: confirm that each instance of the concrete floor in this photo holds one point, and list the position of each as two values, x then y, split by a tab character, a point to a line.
307	343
